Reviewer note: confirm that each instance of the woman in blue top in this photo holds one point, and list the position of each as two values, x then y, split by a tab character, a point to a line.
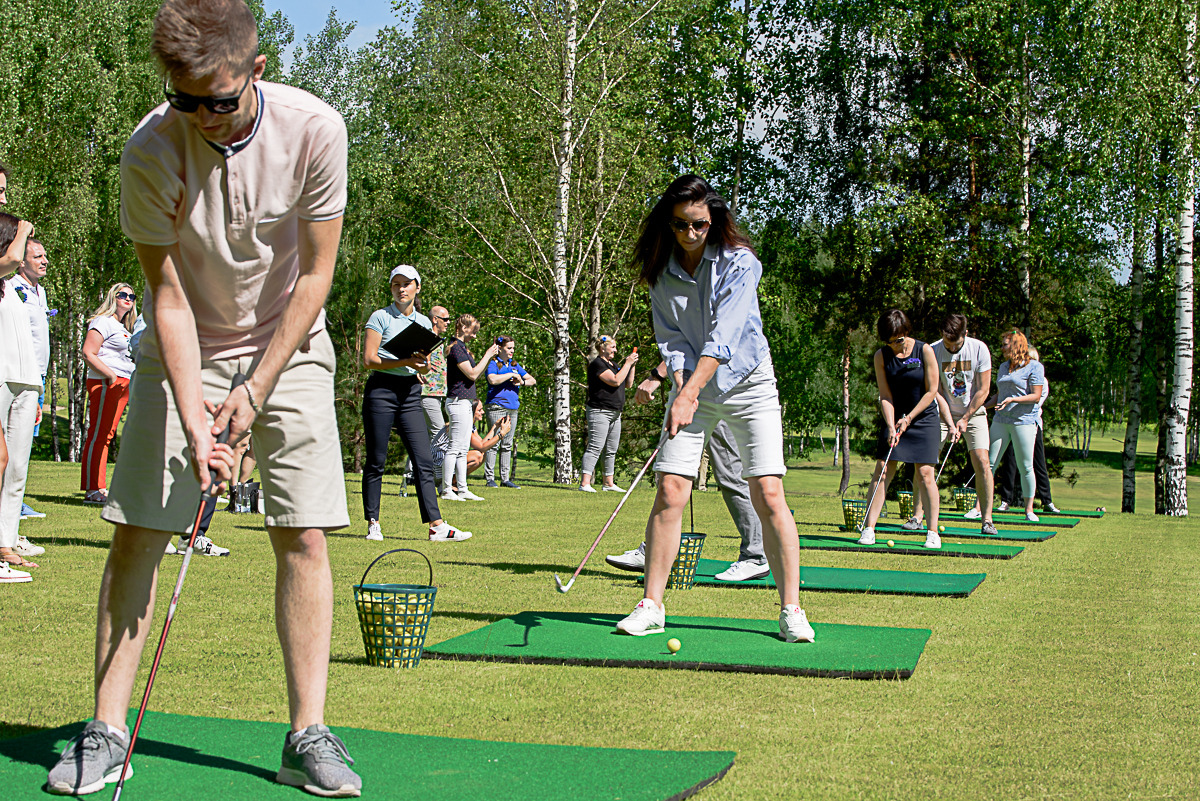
393	400
505	378
1019	385
703	278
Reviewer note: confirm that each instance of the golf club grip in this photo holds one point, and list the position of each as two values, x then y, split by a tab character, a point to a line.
223	437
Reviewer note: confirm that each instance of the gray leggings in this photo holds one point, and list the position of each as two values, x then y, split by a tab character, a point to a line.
462	418
727	469
604	435
495	414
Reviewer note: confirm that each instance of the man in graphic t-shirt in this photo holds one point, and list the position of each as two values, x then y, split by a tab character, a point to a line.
965	368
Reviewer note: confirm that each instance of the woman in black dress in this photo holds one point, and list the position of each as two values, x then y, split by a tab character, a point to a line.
906	373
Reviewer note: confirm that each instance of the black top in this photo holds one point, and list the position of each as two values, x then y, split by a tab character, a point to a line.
458	385
600	395
921	442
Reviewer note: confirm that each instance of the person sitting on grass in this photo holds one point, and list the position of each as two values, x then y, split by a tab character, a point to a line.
703	278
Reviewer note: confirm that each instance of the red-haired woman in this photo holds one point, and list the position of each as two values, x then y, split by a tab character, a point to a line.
1019	384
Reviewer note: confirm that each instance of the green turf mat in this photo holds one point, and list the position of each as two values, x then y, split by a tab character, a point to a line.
982	550
1019	520
846	579
1092	513
179	756
969	533
709	643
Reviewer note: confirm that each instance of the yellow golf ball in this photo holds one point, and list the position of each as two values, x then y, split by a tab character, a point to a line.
891	543
941	529
673	645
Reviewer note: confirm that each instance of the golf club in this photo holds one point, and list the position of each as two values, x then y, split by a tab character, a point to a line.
557	581
238	380
943	467
882	478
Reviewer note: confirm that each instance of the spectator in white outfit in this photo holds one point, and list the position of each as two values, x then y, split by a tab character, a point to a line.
28	285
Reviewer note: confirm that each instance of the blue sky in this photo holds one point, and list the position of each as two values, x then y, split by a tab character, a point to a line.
309	18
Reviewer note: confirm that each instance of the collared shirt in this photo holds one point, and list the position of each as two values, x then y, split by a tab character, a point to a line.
38	308
389	322
505	394
235	218
713	313
18	364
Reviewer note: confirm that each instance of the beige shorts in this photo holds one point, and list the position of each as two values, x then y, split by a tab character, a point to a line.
295	440
978	437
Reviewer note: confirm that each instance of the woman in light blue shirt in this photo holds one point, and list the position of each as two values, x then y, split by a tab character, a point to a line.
393	400
703	278
1019	385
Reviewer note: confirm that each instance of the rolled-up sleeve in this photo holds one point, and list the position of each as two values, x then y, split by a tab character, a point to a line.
734	301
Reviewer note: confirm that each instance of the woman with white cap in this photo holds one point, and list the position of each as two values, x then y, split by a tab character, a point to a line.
393	400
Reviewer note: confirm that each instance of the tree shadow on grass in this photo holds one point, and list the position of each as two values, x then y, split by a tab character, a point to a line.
56	540
10	730
525	569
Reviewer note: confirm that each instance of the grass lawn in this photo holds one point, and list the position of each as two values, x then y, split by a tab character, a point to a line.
1072	672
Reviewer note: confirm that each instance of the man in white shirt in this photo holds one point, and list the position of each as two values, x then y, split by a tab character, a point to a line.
232	193
965	367
27	283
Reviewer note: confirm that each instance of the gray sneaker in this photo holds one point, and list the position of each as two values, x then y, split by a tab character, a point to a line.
316	759
91	760
988	528
912	524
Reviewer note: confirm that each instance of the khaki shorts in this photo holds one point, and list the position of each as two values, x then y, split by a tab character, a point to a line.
978	437
295	440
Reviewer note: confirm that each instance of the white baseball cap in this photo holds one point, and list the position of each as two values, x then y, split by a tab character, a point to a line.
408	271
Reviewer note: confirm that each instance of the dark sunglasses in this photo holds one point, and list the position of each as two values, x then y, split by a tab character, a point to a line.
126	296
699	226
896	341
181	101
441	319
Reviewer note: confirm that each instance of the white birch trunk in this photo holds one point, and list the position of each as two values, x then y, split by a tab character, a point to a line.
563	468
1025	224
1176	501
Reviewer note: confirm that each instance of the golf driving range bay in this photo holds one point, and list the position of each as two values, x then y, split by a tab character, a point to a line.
1058	664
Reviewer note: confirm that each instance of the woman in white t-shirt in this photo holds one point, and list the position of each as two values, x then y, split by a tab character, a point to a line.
106	351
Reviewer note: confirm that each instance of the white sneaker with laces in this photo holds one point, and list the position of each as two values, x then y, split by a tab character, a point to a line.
203	545
27	548
1031	517
1003	507
646	618
588	488
171	549
932	540
630	560
10	575
374	531
1051	508
467	495
868	537
611	488
447	533
744	570
794	625
451	495
974	514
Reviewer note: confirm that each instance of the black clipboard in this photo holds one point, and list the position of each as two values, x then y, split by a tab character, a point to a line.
416	338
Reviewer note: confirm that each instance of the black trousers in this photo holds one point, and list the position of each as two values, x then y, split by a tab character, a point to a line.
1007	486
392	401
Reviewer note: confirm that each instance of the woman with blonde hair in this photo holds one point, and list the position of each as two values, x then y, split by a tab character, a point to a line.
1020	383
462	371
106	351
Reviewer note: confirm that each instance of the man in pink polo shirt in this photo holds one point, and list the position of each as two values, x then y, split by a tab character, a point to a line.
233	193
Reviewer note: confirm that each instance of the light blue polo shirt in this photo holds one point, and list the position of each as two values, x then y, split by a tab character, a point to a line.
389	322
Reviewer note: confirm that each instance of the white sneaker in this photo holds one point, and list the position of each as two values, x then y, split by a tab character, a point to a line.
1031	517
1003	507
794	625
451	495
588	488
27	548
744	570
374	531
932	540
10	575
912	524
1051	508
974	514
202	545
447	533
611	488
630	560
646	618
467	495
868	537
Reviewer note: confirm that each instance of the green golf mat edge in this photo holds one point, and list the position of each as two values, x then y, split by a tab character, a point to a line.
968	533
719	644
976	550
237	759
850	579
1019	520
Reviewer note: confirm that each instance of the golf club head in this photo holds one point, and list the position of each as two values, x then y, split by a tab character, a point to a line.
560	586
